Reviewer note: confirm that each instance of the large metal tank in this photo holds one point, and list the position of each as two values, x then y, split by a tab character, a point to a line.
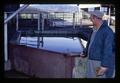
58	57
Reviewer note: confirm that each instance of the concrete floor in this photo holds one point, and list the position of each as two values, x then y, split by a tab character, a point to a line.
78	70
15	74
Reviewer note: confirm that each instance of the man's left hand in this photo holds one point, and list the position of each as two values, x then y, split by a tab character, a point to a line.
100	71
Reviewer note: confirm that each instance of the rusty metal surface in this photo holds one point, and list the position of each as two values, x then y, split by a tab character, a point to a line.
41	63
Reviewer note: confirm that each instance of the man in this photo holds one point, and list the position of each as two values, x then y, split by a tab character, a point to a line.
100	46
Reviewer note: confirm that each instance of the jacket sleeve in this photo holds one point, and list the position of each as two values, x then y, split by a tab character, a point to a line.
85	34
108	56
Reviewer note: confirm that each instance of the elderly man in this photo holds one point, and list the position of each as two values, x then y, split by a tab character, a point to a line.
101	57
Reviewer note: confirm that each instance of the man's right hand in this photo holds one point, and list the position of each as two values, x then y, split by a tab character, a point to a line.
82	55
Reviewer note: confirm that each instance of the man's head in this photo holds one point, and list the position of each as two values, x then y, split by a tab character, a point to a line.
95	16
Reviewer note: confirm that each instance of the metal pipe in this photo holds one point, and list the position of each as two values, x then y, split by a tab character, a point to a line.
38	21
80	15
42	21
5	29
38	42
109	15
63	19
15	13
5	40
73	20
17	22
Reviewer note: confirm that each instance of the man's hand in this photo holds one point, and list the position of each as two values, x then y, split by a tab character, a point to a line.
82	55
100	71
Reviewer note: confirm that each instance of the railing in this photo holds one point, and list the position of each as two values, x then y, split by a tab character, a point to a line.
6	19
15	13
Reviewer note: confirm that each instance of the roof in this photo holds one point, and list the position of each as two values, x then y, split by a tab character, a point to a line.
70	8
30	9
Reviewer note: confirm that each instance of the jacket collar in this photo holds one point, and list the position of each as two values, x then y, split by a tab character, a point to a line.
104	24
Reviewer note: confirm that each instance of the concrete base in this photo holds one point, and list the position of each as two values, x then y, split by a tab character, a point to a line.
7	65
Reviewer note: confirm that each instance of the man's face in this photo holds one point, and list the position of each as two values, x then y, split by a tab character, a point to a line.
92	18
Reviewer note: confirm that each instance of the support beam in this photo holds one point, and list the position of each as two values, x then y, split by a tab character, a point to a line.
5	40
38	21
73	20
15	13
109	15
6	19
42	21
39	42
63	19
17	23
79	15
